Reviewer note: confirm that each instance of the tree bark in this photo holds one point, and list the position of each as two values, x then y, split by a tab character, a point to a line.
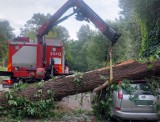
65	86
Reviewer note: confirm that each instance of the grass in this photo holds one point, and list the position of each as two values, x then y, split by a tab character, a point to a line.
3	68
62	114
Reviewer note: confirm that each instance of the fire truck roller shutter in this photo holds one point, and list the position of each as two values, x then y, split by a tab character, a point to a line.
25	57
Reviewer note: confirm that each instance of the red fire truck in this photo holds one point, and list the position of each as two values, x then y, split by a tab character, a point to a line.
28	61
23	61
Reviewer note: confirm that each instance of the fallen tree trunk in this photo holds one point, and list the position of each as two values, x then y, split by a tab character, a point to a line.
71	85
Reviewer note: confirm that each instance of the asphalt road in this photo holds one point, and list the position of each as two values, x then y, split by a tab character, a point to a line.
79	101
5	78
1	88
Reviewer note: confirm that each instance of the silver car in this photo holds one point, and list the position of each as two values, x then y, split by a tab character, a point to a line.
143	108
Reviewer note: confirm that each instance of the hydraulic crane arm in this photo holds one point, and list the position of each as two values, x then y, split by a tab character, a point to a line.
88	14
54	18
83	12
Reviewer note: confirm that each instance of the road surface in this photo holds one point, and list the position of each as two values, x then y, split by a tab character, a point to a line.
1	88
79	101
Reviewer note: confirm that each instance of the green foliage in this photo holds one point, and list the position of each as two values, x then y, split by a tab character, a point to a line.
129	90
37	20
128	46
103	100
5	34
20	86
154	88
84	33
103	78
33	24
21	107
5	30
78	78
127	86
76	51
147	15
59	32
97	52
70	53
3	68
90	51
150	66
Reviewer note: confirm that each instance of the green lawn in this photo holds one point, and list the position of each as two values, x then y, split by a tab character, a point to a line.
2	69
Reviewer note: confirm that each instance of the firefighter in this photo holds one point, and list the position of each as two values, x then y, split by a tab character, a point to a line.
53	71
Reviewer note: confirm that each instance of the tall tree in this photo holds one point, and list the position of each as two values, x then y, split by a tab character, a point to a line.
5	34
97	51
76	50
147	15
128	46
84	35
32	25
3	46
59	32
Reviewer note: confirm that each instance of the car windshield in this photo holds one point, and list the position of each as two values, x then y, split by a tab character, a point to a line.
140	88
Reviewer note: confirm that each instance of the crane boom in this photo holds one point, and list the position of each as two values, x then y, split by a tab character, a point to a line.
54	18
83	12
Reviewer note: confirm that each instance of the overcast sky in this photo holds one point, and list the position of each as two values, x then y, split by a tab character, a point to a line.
17	12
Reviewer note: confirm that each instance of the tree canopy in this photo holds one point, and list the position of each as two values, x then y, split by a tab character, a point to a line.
147	16
5	34
37	20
